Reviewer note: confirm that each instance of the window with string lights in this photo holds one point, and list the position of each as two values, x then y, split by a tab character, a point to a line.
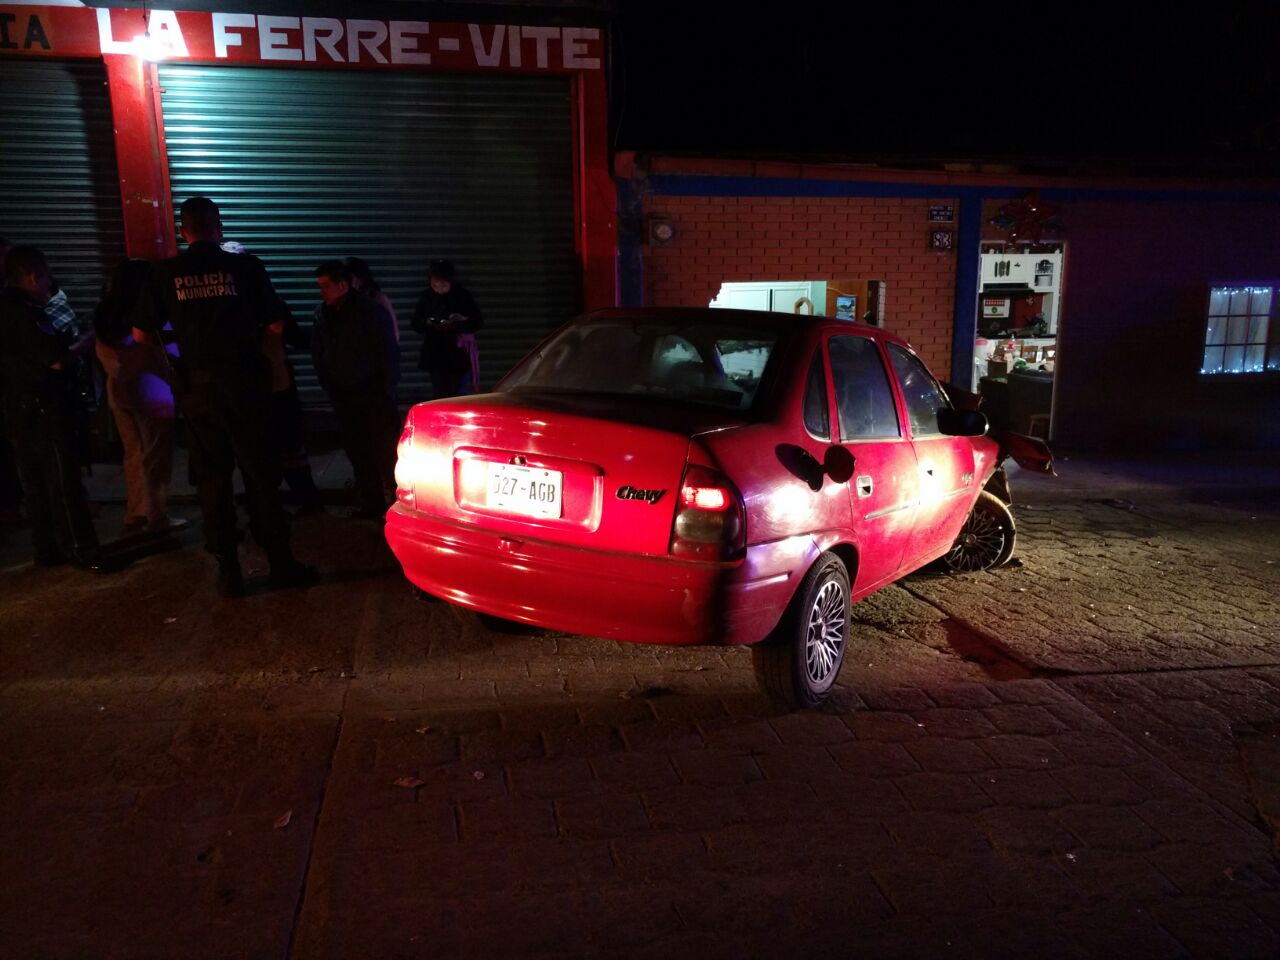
1241	331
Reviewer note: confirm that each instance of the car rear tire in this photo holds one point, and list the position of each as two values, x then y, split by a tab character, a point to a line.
987	538
800	661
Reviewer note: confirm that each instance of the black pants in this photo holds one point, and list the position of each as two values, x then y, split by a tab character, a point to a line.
449	380
370	427
287	441
45	448
228	427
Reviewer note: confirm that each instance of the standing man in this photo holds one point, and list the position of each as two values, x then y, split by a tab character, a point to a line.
39	414
356	359
219	304
447	317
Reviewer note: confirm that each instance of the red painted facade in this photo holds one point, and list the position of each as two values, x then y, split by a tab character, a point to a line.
116	37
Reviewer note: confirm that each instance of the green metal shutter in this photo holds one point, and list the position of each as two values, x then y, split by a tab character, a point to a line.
397	168
59	187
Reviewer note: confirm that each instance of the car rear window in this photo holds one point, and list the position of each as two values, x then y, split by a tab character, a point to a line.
715	364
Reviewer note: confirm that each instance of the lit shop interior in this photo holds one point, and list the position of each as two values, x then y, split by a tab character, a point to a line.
1017	335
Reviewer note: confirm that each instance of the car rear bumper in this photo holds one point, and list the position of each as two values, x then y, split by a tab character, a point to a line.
633	598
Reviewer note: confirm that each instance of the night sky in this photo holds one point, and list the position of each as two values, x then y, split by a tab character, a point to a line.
1018	82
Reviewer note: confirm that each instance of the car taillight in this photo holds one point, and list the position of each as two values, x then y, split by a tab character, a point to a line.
405	464
704	498
710	519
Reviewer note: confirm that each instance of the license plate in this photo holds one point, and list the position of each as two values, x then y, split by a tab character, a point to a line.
531	491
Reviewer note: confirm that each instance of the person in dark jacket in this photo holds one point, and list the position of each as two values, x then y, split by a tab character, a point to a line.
219	304
447	317
40	412
356	360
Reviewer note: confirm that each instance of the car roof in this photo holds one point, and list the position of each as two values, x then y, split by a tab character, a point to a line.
781	322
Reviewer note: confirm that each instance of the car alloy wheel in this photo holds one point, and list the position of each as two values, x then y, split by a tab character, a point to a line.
799	662
828	630
987	538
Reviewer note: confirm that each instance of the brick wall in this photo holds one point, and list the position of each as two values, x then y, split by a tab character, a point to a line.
737	239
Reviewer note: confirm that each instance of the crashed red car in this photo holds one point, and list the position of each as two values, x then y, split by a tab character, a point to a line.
695	476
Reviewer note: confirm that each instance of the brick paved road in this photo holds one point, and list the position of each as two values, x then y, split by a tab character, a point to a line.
1075	757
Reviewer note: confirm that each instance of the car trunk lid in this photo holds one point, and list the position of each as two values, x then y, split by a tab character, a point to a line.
588	471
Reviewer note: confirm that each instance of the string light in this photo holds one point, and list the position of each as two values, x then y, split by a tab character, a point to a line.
1235	290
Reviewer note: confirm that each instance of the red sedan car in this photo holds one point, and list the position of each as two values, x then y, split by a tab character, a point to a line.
690	476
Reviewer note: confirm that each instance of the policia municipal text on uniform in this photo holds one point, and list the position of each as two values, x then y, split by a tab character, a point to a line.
219	304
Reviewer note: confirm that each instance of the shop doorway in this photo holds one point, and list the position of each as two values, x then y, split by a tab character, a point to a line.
1015	352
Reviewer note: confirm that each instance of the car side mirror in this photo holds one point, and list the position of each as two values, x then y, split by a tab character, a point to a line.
838	464
962	423
963	399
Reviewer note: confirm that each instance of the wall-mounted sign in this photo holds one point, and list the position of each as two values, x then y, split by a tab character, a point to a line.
941	213
940	239
280	40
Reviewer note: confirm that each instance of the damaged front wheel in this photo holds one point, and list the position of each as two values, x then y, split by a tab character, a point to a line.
987	538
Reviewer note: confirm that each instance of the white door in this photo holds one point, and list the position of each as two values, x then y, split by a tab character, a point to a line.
783	297
742	296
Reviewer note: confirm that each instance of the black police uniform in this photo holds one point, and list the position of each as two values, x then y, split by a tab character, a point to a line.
39	417
218	304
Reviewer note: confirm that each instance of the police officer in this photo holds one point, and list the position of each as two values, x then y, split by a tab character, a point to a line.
39	414
219	304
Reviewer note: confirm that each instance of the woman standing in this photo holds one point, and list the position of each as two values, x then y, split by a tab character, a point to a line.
448	318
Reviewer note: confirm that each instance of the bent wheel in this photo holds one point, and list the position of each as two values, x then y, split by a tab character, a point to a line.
987	538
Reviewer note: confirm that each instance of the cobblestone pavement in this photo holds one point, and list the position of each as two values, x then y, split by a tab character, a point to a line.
1077	756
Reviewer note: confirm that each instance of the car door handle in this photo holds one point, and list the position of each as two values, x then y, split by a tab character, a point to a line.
864	486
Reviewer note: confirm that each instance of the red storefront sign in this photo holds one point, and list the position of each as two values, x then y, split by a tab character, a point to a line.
320	41
130	42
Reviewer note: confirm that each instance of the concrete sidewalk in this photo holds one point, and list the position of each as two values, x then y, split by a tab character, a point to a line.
1074	756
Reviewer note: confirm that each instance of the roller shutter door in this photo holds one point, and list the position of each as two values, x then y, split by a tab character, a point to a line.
59	187
397	168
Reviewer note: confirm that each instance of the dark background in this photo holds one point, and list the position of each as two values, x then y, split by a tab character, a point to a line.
1051	85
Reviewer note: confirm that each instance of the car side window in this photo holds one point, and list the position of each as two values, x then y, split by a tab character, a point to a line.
923	395
817	420
863	395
